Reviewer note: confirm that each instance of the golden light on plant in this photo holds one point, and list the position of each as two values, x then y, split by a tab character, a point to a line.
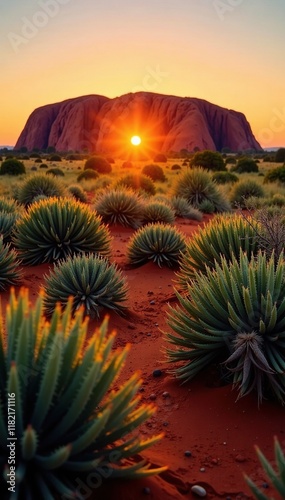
136	140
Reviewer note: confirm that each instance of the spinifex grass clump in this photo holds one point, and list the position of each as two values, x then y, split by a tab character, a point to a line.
90	280
10	273
37	185
234	314
54	229
137	182
156	211
183	209
244	190
69	422
120	206
222	237
159	243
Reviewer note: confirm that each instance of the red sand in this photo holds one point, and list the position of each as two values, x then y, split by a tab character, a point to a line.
202	416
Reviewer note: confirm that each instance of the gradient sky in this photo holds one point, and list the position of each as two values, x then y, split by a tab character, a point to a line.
229	52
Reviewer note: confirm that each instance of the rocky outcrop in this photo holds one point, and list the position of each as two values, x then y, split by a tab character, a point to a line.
165	123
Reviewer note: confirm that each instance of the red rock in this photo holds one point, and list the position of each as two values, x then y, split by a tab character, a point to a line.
165	123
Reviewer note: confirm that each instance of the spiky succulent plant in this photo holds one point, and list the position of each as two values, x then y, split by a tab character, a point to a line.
78	193
56	228
276	478
160	243
234	314
7	223
69	423
120	206
8	205
10	272
36	185
183	209
90	280
137	182
223	236
155	211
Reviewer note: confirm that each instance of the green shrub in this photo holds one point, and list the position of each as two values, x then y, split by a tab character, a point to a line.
244	190
56	228
160	158
38	160
98	164
278	199
276	478
35	155
72	419
183	209
90	280
87	174
156	211
275	175
245	165
206	207
77	192
7	224
280	155
230	160
196	186
137	182
155	172
210	160
12	167
9	205
120	206
57	172
55	158
234	314
38	185
159	243
10	273
43	165
175	166
225	178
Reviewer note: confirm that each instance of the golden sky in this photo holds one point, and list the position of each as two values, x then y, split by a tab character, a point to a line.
229	52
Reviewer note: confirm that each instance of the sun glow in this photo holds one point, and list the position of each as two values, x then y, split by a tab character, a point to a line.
136	140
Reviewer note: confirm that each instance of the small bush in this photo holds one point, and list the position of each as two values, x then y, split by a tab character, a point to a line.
57	172
38	185
280	155
10	273
244	190
9	205
225	178
12	167
87	174
35	155
98	164
206	207
275	175
175	166
160	158
137	182
120	206
230	160
155	172
7	224
77	192
55	158
157	212
38	160
245	165
183	209
43	165
210	160
159	243
278	199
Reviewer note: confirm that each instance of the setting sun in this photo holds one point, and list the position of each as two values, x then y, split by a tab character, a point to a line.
136	140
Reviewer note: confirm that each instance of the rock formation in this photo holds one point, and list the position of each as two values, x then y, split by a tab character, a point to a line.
165	123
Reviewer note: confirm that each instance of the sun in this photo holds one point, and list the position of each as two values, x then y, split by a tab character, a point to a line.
136	140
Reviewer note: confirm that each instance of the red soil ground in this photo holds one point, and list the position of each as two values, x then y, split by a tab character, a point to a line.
202	416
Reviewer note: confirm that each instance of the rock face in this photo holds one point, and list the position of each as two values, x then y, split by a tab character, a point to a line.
165	123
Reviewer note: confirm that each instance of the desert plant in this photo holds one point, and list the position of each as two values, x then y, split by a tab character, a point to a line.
278	200
156	211
55	157
160	158
9	205
120	206
277	478
37	185
90	280
225	178
159	243
230	160
57	172
77	192
87	174
206	207
183	209
43	165
275	175
98	164
7	224
10	273
137	182
280	155
56	228
38	160
71	419
234	314
196	186
175	166
155	172
12	166
245	165
211	160
244	190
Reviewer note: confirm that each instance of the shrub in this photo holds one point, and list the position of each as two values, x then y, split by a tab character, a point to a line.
160	243
57	172
38	185
77	192
245	165
175	166
87	174
280	155
137	182
277	478
155	172
9	205
275	175
90	280
196	186
72	419
160	158
53	229
230	160
278	199
244	190
223	237
7	224
183	209
156	211
35	155
234	314
10	273
225	178
210	160
12	167
55	158
206	207
120	206
38	160
98	164
43	165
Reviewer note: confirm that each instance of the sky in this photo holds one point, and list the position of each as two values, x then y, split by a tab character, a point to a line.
229	52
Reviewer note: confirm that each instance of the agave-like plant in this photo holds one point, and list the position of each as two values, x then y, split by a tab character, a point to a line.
90	280
7	224
155	211
277	478
160	243
10	272
77	192
222	237
8	205
53	229
183	209
69	423
36	185
234	314
120	206
137	182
